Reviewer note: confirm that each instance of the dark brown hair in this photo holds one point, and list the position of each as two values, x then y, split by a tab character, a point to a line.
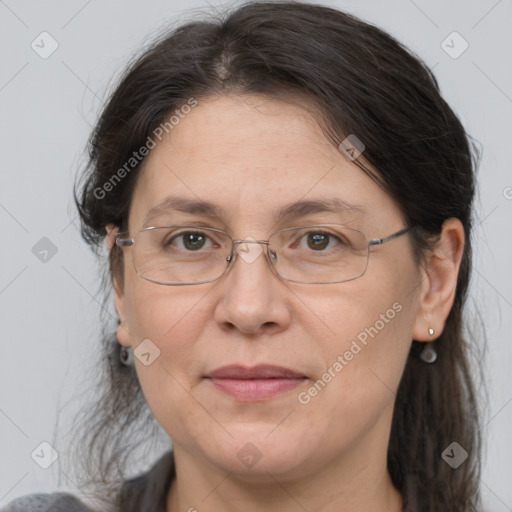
363	82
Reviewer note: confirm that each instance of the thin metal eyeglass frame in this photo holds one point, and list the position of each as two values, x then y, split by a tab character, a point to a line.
128	242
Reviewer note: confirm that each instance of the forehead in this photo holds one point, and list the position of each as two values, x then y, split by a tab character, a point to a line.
251	156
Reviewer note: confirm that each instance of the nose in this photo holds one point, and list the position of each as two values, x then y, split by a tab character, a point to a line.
253	299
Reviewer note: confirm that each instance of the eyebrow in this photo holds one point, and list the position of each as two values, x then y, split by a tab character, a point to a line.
290	211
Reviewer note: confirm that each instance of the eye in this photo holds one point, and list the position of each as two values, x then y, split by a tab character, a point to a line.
319	241
188	240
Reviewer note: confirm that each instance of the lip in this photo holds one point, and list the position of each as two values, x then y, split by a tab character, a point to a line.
255	384
262	371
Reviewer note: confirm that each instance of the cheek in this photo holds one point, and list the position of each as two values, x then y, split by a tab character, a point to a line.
161	313
369	350
373	313
172	320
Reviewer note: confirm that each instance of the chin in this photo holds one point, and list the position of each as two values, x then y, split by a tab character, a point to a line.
257	457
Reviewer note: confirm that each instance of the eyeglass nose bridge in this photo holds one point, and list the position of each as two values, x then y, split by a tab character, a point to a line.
230	259
253	241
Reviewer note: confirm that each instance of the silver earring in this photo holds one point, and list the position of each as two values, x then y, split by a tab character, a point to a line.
428	354
125	356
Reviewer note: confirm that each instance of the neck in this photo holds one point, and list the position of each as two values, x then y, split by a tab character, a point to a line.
350	485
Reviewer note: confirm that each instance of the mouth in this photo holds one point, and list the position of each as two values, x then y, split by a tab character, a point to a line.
255	384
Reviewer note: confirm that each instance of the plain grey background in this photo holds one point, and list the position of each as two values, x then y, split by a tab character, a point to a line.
49	302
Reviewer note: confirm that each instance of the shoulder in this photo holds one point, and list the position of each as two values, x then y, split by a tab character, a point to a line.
48	502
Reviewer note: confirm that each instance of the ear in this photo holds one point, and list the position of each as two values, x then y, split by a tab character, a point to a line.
119	301
439	281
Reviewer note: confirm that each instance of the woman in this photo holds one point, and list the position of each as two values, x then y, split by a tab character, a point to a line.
286	202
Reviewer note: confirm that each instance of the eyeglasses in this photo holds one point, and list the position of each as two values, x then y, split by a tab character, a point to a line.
184	255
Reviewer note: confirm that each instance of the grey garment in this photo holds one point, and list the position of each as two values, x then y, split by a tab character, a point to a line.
148	492
54	502
144	493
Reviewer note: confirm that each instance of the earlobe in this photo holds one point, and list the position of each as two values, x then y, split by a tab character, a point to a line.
110	238
440	281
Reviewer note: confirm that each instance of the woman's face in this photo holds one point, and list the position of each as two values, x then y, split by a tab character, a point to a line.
252	157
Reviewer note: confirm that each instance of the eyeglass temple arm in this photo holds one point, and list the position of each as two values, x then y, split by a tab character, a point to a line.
378	241
123	242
